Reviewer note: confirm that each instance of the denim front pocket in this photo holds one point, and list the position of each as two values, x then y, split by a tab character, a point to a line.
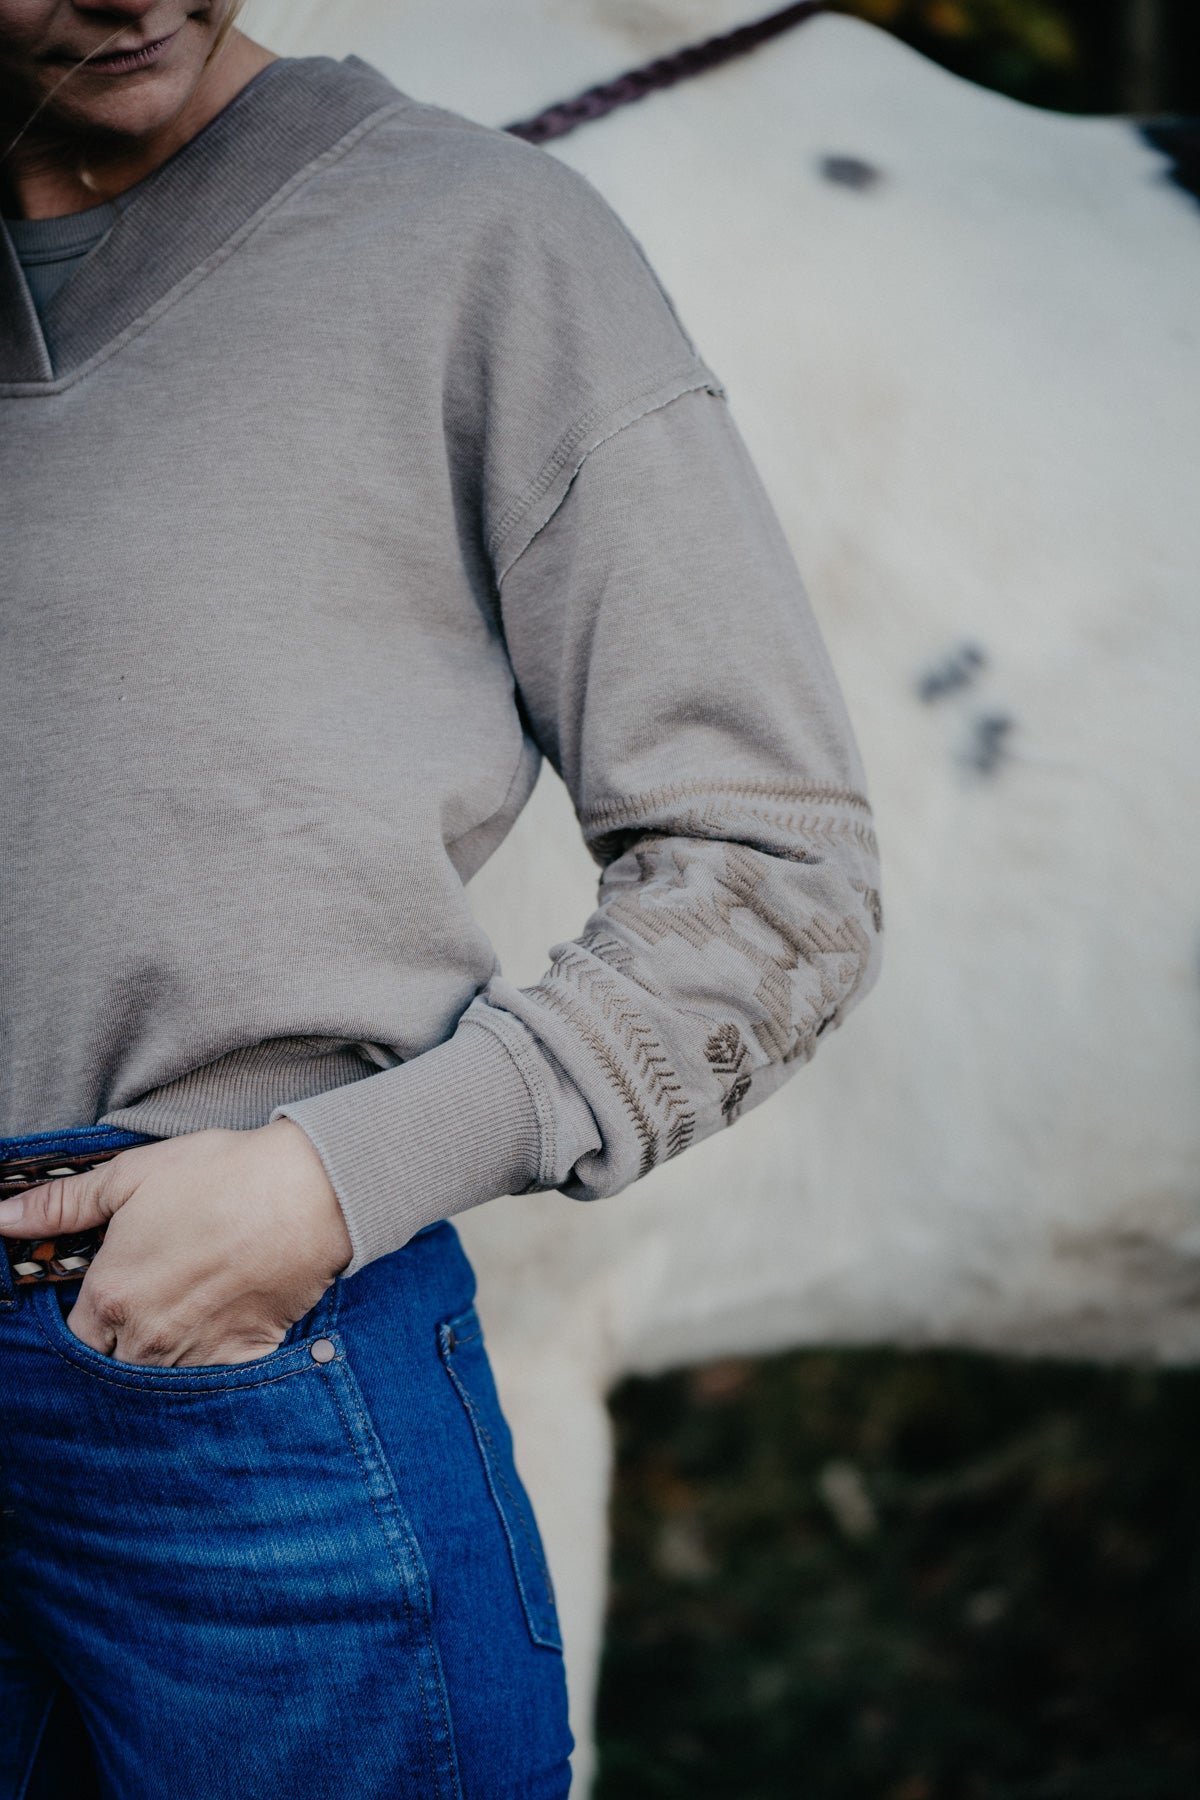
461	1347
219	1556
293	1355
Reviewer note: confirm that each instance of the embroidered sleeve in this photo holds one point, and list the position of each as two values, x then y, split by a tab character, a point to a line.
672	670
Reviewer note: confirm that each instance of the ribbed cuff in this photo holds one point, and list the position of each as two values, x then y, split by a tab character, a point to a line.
421	1142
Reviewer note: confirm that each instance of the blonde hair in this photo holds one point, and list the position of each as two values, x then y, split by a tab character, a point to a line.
226	26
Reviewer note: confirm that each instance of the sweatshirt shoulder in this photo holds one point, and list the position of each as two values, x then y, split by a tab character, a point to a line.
511	221
547	324
503	224
401	155
421	148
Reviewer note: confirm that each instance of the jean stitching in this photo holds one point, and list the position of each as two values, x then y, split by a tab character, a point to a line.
490	1455
418	1564
395	1561
141	1387
78	1141
476	1416
477	1420
167	1384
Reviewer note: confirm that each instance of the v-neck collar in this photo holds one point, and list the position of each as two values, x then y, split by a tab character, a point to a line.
294	112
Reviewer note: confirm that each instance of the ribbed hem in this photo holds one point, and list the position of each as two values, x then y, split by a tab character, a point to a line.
422	1142
240	1090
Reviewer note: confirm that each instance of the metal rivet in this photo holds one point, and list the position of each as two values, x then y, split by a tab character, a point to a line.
322	1350
451	1340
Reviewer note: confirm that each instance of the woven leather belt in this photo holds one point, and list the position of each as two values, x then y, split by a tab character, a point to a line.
63	1258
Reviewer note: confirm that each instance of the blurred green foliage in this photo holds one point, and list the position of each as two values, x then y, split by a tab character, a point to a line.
1075	55
1035	34
868	1576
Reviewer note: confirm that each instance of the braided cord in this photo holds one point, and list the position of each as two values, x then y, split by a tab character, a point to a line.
693	59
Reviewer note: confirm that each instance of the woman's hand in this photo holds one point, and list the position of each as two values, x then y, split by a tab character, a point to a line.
217	1242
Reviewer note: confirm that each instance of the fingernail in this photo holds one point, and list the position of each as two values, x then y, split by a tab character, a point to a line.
12	1210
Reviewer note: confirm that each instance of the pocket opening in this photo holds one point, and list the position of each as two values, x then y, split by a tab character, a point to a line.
53	1301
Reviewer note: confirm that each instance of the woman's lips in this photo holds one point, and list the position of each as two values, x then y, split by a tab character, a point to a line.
121	62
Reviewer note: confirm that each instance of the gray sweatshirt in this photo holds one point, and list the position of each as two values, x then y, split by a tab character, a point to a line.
362	464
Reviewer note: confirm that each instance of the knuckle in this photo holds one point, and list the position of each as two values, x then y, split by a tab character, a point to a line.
107	1179
109	1306
60	1204
148	1347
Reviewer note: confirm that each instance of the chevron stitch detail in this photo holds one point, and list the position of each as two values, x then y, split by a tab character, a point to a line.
730	1058
650	1060
812	943
642	1123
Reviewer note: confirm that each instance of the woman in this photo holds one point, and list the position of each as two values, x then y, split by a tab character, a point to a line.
353	459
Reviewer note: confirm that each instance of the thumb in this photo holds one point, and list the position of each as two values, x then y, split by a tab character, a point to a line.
68	1203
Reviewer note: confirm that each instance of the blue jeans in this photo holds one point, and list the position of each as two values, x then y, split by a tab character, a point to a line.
313	1576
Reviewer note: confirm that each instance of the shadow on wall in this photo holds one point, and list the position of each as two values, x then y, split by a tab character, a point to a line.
864	1576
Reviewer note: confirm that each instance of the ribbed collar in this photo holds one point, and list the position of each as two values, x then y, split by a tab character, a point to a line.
295	112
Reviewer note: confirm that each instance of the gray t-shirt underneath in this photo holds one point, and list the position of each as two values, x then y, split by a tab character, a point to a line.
50	250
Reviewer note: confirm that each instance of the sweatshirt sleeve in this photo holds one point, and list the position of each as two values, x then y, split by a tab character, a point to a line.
671	669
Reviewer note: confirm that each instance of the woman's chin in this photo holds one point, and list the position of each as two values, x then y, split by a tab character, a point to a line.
131	102
125	107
